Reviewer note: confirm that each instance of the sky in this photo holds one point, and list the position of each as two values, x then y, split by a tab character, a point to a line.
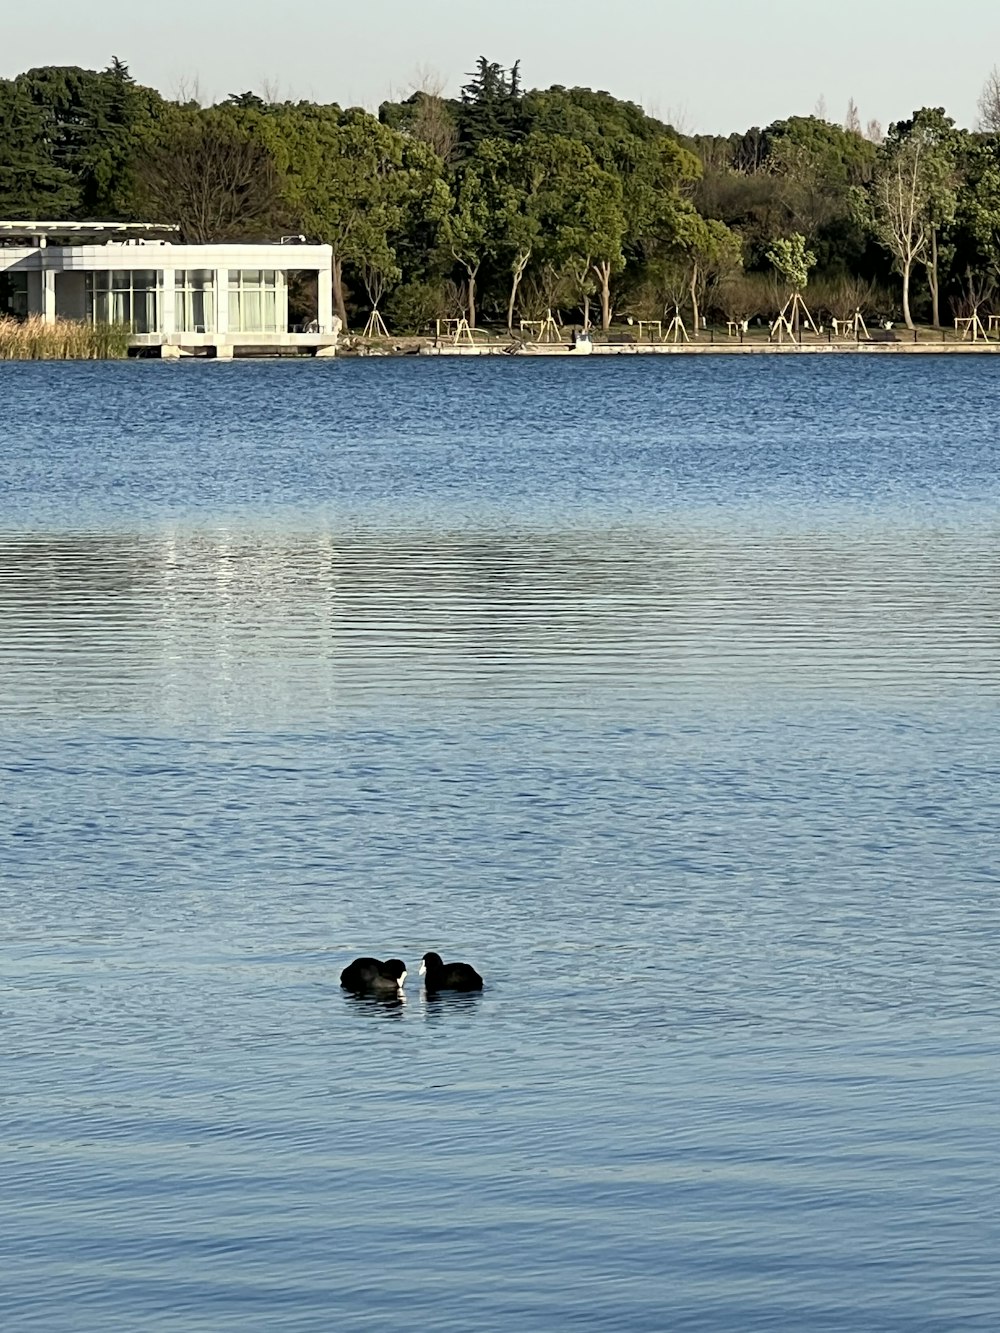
707	66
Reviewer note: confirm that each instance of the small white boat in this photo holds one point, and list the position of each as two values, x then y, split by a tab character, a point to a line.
580	344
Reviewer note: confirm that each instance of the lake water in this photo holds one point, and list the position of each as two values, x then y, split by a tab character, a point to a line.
664	691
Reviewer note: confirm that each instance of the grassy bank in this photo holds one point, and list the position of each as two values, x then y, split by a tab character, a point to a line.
65	340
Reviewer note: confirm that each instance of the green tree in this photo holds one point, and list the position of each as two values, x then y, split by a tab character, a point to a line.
814	164
715	254
476	224
33	184
794	176
92	122
335	164
593	237
578	211
653	170
406	212
247	101
490	106
422	200
546	203
356	185
212	173
939	135
975	232
659	214
529	166
791	260
912	195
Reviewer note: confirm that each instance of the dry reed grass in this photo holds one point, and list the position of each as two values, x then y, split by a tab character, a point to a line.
65	340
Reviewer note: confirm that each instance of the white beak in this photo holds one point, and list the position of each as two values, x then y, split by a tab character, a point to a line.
423	967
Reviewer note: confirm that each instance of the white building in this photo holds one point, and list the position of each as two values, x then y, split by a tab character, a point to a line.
177	299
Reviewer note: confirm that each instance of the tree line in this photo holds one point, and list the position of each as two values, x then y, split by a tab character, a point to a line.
507	202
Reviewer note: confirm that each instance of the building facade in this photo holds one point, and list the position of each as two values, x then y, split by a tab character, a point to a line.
177	299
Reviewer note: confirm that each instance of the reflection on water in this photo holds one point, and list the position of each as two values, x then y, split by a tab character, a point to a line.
377	1004
675	714
218	625
451	1001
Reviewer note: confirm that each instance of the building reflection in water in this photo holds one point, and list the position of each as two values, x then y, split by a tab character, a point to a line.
235	625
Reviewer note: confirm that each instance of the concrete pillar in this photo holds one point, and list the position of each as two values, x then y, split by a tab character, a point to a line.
168	318
281	300
48	295
222	300
324	300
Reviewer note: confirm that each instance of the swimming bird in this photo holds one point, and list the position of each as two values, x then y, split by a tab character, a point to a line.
439	975
371	974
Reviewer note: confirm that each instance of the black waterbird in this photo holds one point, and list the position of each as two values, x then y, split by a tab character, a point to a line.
439	975
371	974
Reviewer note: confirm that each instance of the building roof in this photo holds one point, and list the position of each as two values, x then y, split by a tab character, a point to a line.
86	231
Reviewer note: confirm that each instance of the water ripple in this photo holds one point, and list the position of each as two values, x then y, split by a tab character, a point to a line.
665	694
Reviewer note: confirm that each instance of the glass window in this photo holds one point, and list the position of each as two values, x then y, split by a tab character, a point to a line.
124	297
256	301
194	300
144	302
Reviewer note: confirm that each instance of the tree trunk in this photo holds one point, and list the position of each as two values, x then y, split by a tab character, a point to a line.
906	293
517	268
338	290
471	288
694	301
580	276
603	271
932	278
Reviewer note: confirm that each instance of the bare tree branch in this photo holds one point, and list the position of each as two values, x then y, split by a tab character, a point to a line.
989	103
212	179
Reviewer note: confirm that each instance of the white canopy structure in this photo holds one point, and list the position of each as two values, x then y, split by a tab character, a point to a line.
223	300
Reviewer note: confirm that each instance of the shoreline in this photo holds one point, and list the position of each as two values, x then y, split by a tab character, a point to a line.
701	349
409	346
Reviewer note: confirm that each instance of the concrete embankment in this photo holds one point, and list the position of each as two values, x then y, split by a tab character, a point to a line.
733	348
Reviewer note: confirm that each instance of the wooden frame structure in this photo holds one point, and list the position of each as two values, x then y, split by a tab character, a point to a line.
375	328
794	310
548	329
855	327
456	329
971	327
676	328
